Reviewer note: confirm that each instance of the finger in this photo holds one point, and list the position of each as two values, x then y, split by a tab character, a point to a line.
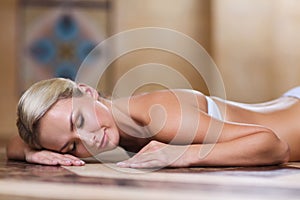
123	164
53	159
67	161
148	164
49	160
64	162
152	150
58	159
46	161
144	153
142	158
74	160
144	150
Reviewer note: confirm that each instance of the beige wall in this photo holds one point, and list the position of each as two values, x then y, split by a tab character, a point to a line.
253	42
256	44
286	38
190	17
7	68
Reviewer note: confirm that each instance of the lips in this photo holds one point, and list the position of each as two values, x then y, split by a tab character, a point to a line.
100	143
103	140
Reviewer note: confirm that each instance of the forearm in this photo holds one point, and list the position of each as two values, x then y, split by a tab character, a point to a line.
258	148
16	149
261	148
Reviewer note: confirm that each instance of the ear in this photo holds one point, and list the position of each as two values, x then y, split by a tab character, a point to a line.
89	90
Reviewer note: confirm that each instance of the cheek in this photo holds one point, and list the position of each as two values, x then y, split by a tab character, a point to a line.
103	116
93	119
52	138
91	122
82	152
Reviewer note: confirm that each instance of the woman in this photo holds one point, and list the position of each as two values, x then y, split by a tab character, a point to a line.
60	122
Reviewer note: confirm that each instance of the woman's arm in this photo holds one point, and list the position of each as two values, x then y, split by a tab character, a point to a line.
16	149
261	148
197	139
210	143
256	149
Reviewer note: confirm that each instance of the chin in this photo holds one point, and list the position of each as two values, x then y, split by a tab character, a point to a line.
114	137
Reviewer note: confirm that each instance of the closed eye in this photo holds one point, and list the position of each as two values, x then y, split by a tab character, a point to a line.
80	121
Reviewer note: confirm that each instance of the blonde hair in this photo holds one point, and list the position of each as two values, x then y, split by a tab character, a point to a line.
36	101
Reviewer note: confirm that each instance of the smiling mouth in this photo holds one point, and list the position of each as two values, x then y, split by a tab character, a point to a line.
101	143
103	139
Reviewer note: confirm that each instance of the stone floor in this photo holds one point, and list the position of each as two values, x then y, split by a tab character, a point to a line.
20	180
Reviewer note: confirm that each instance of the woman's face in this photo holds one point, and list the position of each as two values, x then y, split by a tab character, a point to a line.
80	126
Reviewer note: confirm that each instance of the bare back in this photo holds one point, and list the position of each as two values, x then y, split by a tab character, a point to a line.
282	115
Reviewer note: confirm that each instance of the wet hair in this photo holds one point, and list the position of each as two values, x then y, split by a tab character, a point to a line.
36	101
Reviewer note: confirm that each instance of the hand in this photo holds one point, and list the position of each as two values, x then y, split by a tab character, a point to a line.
156	155
46	157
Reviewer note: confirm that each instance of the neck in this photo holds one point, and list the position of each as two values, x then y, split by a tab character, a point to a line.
130	143
129	129
126	141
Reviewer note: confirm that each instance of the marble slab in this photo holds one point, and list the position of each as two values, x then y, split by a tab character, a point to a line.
21	180
262	177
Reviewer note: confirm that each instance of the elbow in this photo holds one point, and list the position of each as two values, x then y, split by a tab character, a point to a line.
15	149
283	154
274	151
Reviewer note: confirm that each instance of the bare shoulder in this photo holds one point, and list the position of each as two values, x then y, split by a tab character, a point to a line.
171	101
167	95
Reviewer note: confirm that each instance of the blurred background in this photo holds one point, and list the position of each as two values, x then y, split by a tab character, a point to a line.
254	43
